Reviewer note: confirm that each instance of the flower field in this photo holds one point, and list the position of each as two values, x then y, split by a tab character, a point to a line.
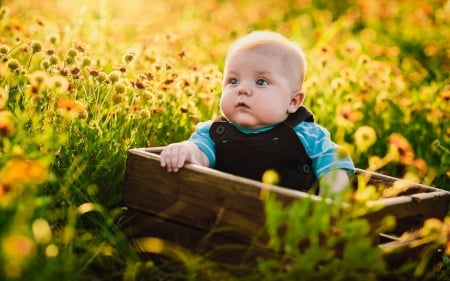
81	82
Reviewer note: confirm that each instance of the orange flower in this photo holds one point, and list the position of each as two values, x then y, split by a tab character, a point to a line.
445	94
4	189
400	144
6	123
352	47
19	246
17	249
17	171
447	248
435	114
69	107
420	165
347	114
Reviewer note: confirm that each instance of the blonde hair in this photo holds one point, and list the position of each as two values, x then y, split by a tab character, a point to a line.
292	55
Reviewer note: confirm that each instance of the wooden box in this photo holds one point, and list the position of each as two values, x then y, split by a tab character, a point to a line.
184	207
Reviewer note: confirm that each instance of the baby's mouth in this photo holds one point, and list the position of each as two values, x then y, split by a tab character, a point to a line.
242	105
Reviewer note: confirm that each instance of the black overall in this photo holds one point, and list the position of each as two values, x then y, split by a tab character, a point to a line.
280	149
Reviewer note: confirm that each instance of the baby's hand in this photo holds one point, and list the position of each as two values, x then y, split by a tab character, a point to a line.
175	155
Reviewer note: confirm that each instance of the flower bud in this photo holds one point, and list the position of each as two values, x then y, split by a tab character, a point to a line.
120	88
72	52
36	47
114	76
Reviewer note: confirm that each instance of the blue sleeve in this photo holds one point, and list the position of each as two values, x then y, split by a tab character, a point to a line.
204	142
322	150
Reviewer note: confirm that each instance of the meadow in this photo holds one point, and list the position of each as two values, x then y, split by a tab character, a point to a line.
81	82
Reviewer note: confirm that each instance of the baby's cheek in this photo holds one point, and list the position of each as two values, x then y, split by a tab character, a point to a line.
225	103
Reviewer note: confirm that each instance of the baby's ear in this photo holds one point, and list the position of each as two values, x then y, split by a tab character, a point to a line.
296	101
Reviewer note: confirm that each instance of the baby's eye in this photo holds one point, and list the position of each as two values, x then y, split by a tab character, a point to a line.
261	82
233	81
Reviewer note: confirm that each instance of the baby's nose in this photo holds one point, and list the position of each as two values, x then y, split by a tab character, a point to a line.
244	90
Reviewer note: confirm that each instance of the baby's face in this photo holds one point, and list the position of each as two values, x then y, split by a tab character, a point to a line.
256	90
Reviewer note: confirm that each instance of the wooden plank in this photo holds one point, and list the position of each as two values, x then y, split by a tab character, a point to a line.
411	207
183	207
219	245
410	211
216	198
221	200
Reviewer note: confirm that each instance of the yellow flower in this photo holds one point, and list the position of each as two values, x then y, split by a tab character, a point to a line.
338	83
411	176
51	250
374	161
345	150
4	49
18	247
72	52
447	230
365	137
41	231
341	152
144	113
432	226
53	60
86	61
366	193
38	78
59	83
4	96
270	177
101	77
118	98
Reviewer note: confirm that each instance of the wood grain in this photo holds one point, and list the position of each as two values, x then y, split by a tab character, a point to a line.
184	207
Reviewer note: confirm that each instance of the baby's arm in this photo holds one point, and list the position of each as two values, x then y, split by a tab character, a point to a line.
176	155
334	184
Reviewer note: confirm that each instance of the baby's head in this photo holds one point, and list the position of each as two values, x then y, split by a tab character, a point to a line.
263	79
289	53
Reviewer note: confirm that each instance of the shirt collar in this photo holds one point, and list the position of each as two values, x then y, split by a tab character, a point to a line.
252	131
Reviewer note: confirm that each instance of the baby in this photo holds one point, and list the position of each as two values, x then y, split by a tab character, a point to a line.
264	125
